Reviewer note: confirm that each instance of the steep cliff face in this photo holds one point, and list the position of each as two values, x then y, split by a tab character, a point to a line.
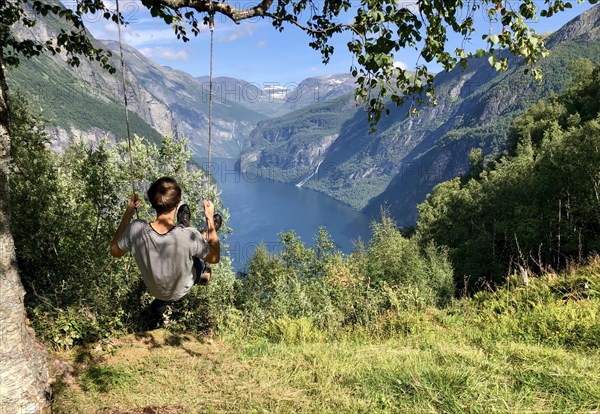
85	102
290	147
585	27
187	98
140	99
400	164
483	117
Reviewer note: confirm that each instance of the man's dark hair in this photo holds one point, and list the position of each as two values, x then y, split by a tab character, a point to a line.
164	194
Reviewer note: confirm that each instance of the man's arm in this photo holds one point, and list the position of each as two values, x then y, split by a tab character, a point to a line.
132	204
214	246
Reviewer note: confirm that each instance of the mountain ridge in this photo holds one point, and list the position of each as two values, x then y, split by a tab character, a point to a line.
274	99
83	102
407	156
188	99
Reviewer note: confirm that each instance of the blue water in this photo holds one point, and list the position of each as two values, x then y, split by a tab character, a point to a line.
260	208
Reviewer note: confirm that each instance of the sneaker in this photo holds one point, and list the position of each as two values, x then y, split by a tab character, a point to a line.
218	220
202	272
184	215
205	276
158	314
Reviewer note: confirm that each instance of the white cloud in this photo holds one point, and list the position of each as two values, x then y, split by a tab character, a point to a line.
261	45
141	37
400	64
240	31
110	28
136	36
165	53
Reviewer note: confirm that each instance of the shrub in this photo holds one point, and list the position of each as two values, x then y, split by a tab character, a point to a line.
292	331
555	310
65	209
393	260
392	274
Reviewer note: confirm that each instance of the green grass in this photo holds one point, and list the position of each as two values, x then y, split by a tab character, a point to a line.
432	371
488	354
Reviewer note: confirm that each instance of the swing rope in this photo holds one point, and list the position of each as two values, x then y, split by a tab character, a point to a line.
125	99
211	26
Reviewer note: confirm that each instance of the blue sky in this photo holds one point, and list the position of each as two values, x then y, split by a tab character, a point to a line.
254	51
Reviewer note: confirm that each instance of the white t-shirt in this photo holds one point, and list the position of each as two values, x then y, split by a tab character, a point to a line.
165	260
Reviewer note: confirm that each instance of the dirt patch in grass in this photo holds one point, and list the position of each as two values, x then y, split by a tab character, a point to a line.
165	409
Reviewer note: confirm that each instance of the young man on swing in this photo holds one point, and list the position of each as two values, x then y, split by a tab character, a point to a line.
169	253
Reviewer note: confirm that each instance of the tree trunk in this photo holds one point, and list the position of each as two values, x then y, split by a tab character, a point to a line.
23	365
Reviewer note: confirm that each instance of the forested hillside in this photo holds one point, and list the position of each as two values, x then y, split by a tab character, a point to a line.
400	164
536	207
290	148
486	107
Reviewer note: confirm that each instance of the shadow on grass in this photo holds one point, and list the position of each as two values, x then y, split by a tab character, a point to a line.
171	339
100	378
178	340
150	409
148	339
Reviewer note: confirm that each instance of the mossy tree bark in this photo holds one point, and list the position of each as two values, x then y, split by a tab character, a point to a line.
23	365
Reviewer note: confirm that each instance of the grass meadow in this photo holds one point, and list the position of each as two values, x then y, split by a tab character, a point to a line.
526	348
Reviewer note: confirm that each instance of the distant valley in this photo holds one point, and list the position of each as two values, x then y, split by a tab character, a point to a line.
401	163
309	134
86	102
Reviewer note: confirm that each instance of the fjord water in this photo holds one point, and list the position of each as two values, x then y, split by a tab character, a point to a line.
260	208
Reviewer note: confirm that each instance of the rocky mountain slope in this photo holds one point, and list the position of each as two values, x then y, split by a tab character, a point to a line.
85	102
482	117
187	98
275	99
407	156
